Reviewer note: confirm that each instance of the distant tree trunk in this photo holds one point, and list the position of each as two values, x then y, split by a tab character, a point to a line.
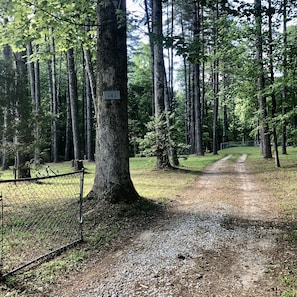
9	79
215	85
73	98
68	153
169	98
89	122
225	111
284	90
34	78
203	79
37	102
191	109
197	86
112	177
21	113
186	113
265	136
90	74
151	40
159	79
273	97
54	100
90	102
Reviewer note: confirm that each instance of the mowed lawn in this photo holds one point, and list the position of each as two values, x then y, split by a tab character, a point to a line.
159	185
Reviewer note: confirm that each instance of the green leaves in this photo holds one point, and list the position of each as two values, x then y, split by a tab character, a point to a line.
27	21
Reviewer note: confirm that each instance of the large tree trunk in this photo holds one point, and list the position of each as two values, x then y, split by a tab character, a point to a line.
112	177
73	98
264	131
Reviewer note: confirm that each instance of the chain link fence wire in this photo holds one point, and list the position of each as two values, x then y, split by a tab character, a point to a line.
39	217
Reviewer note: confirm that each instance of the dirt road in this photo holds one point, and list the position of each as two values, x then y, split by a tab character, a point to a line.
220	238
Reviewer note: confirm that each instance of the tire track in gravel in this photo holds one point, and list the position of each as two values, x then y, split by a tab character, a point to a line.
217	241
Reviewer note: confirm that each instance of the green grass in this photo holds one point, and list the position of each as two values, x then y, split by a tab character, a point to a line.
46	196
149	182
163	185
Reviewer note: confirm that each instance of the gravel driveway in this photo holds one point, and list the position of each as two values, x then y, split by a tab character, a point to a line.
220	238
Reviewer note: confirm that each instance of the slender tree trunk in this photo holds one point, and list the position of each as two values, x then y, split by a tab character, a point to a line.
284	90
73	97
197	86
21	112
225	111
36	109
112	177
215	137
265	136
203	77
151	41
54	100
159	79
191	109
34	77
68	153
89	122
273	97
169	87
9	79
90	75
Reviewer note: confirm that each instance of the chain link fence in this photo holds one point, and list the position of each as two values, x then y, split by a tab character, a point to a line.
39	217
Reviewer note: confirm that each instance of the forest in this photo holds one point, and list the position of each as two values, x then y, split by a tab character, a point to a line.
201	76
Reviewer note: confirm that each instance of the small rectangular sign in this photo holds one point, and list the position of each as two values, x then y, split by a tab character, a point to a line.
111	95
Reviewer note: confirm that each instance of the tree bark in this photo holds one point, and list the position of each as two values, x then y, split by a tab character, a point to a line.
9	79
68	153
73	98
34	78
89	122
197	94
54	100
264	131
273	96
284	90
215	85
21	113
112	177
159	80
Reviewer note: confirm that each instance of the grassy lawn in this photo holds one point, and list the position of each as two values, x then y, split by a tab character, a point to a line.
163	185
149	183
